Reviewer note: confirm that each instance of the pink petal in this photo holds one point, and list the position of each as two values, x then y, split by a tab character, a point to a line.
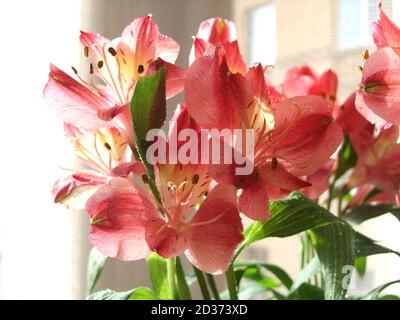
142	36
211	244
234	58
73	191
298	81
72	102
217	31
213	94
125	169
200	48
385	32
120	211
307	141
253	201
319	180
166	241
167	49
277	176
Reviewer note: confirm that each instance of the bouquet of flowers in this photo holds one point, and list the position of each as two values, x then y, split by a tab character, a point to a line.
290	158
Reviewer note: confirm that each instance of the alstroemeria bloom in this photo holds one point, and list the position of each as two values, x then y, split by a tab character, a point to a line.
119	64
105	152
378	162
218	32
378	96
304	81
127	225
293	138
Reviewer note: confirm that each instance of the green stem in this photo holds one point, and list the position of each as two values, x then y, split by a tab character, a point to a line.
231	282
202	283
213	286
184	291
171	274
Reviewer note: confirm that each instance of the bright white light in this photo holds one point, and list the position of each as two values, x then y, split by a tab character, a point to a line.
263	35
35	235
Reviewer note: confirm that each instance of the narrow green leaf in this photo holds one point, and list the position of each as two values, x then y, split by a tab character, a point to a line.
278	272
389	297
361	213
364	246
96	264
360	265
158	275
347	158
373	295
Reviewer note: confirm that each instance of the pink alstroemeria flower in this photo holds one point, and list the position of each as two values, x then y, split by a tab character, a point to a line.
379	91
119	64
218	32
127	225
378	162
105	152
293	138
304	81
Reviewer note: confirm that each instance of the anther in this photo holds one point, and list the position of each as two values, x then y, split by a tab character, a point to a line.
195	179
86	51
100	64
91	70
365	54
74	70
145	178
107	145
112	51
140	69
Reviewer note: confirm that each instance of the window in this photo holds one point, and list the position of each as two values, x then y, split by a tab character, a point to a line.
262	27
355	19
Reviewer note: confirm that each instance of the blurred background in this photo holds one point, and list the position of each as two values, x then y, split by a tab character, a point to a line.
43	247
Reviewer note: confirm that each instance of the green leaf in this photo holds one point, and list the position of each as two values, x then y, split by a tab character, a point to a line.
141	293
96	264
288	217
361	213
360	265
307	292
148	105
364	246
309	271
158	275
347	158
389	297
373	295
278	272
334	246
